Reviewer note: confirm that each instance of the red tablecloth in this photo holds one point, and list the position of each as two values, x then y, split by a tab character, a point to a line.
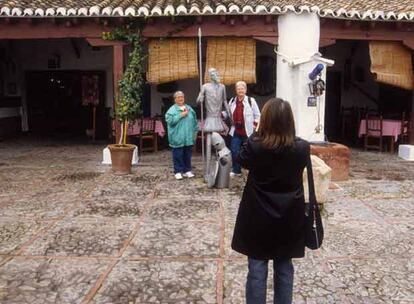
390	127
134	128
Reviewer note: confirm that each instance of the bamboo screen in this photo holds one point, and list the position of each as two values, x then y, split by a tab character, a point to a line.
234	58
391	63
171	60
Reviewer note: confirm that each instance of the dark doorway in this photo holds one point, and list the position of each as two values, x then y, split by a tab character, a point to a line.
333	105
54	100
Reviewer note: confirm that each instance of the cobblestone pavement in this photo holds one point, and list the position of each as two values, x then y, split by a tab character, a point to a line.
72	232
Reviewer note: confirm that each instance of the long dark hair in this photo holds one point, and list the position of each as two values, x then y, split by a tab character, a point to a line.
277	126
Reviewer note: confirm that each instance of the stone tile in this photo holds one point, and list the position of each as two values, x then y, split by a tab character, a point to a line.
14	233
42	205
160	282
378	189
185	208
189	238
364	239
77	237
195	188
344	209
228	236
43	281
394	209
376	280
113	207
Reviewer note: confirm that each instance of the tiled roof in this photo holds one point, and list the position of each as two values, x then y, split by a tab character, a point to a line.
350	9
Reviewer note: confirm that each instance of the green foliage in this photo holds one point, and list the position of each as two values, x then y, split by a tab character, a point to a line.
128	99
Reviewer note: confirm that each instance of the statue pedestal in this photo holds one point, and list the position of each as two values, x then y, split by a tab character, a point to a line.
107	157
336	156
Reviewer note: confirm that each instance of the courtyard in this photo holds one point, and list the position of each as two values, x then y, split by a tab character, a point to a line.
72	232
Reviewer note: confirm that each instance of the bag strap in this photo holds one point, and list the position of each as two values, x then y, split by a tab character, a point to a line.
311	184
250	101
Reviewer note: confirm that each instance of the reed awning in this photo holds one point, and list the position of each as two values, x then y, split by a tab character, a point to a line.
234	58
391	63
172	60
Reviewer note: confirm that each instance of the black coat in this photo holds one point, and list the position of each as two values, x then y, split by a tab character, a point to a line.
270	221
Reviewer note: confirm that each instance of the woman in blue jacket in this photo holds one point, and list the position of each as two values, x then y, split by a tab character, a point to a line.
182	132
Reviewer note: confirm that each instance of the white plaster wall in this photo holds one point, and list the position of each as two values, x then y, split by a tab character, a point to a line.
299	40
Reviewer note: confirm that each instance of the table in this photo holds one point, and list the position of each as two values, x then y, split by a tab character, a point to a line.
134	127
390	128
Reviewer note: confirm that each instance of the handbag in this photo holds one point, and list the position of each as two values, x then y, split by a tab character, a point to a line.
313	221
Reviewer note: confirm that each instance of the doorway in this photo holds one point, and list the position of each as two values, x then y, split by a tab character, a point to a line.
55	102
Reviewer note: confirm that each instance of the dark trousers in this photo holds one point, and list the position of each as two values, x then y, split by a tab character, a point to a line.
182	159
257	281
236	143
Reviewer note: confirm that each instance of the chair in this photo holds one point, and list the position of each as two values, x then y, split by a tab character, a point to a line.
405	128
373	127
147	133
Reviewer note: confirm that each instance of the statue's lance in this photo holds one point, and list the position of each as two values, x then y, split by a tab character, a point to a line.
200	68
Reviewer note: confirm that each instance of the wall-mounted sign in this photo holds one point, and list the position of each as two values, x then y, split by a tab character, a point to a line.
312	101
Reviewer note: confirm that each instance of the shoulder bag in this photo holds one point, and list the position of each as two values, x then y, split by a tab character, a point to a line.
313	221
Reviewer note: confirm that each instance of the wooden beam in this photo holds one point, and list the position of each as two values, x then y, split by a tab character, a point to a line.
46	30
118	70
332	29
212	27
268	19
411	131
101	42
409	42
245	18
232	21
199	19
326	42
223	19
270	40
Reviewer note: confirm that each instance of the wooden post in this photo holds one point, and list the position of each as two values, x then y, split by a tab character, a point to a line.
118	69
411	130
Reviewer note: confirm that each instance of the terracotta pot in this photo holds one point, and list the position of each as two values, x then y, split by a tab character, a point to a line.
121	157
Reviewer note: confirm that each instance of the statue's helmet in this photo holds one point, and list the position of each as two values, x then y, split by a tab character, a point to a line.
217	141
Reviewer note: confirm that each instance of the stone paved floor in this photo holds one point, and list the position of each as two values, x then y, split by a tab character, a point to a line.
71	232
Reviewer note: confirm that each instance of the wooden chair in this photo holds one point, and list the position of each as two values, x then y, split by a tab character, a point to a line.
405	128
147	133
373	126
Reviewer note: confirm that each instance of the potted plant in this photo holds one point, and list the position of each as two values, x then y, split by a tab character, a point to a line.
128	99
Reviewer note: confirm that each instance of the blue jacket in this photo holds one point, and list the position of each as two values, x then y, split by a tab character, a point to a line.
182	131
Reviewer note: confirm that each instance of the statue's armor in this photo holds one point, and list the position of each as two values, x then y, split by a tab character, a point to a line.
214	97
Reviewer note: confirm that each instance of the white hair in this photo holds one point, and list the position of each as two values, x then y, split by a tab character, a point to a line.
241	83
178	93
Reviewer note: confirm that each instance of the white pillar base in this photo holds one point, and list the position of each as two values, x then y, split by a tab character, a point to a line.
107	157
406	152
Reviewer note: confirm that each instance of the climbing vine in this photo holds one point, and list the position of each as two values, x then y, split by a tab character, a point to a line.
128	99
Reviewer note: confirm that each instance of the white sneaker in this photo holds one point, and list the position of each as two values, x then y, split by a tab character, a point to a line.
178	176
188	174
232	174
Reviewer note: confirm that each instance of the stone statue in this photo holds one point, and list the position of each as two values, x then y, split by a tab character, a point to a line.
213	95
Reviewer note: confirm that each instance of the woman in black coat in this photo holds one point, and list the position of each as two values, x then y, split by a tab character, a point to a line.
270	221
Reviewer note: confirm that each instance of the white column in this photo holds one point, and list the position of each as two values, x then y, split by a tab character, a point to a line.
298	42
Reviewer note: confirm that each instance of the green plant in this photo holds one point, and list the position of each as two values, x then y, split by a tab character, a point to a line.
128	98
